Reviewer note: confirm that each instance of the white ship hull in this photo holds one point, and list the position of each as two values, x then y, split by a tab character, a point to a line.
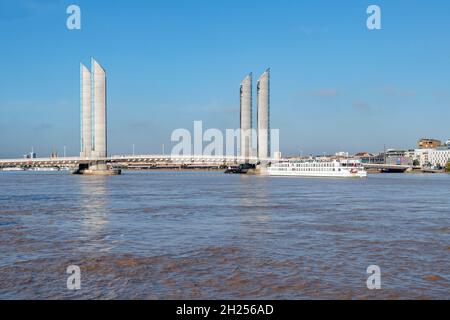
12	169
43	169
331	169
318	174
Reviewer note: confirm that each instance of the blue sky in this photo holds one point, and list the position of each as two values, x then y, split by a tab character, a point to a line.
335	84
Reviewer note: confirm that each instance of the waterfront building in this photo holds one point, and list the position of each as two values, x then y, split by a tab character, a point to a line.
369	158
421	156
263	115
439	157
432	157
363	154
429	143
398	157
341	154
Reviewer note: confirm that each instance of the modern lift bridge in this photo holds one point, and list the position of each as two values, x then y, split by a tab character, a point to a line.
124	160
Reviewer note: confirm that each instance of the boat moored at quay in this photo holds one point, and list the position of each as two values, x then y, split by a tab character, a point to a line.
316	168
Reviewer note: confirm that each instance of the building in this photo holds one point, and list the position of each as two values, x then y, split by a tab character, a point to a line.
421	157
93	111
246	118
263	115
363	154
439	157
433	157
341	154
31	155
277	155
369	158
429	143
398	157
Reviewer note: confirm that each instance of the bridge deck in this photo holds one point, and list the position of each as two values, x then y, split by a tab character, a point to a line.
156	159
213	160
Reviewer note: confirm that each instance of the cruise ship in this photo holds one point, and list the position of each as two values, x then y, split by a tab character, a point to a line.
315	168
12	169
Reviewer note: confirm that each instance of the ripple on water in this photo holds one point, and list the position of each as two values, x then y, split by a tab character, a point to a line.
195	236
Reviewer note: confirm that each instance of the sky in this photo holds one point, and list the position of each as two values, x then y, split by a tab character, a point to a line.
335	84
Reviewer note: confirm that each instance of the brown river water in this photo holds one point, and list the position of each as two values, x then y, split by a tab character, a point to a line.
165	235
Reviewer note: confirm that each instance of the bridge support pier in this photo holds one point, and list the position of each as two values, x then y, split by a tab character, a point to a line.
97	168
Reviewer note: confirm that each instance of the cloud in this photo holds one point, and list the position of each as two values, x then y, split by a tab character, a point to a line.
361	105
441	95
219	106
11	10
43	127
231	110
10	106
140	125
321	93
326	93
396	92
308	30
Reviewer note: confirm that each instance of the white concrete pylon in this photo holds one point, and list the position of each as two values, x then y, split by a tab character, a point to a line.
263	115
86	111
246	117
99	129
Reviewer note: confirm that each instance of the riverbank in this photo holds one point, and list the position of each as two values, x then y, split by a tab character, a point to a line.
421	171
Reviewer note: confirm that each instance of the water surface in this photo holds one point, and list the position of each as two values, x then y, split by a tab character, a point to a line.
160	235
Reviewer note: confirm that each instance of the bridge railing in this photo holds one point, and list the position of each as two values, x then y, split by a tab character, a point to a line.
26	160
135	158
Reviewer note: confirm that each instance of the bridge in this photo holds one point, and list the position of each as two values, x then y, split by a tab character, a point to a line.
133	161
388	167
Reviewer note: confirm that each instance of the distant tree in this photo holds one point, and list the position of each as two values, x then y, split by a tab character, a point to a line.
447	168
416	163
